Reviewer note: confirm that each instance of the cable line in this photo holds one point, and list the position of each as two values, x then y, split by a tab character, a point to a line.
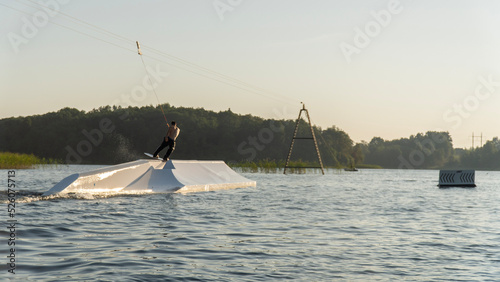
184	64
76	20
150	81
69	28
235	80
218	80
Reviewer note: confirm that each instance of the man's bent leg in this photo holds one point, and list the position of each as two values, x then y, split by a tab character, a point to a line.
162	146
171	148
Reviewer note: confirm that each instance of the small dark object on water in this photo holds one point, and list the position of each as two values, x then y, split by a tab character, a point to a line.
350	169
456	178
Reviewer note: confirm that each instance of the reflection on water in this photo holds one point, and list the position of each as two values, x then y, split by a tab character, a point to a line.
368	225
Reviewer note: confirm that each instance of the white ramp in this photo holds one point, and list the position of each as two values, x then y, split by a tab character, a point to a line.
154	176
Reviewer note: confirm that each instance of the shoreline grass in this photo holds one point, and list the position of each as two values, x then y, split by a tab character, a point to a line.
22	161
273	166
368	166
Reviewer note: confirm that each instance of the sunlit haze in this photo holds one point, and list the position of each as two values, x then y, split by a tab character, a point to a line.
372	68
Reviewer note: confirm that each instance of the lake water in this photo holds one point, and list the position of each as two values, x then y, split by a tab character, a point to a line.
371	225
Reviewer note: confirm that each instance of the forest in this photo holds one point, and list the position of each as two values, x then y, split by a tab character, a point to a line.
110	135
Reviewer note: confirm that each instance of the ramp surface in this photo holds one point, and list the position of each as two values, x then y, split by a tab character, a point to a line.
154	176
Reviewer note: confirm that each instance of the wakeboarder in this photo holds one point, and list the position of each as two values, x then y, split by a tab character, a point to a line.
168	141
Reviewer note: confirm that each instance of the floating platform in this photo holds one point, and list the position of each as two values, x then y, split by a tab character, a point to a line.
174	176
456	178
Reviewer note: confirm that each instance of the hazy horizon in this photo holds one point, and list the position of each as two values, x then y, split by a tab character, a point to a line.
386	69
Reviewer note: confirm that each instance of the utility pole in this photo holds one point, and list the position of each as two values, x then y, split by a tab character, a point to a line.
480	139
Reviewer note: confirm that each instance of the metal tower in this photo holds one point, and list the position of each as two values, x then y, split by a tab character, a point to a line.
295	137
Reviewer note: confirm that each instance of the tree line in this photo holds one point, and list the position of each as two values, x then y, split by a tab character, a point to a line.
110	135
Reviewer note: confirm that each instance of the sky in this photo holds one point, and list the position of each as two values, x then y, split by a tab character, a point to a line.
386	68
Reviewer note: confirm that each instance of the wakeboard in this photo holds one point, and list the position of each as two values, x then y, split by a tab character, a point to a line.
151	156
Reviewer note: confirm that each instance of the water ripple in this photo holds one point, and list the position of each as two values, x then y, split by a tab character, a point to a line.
378	225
